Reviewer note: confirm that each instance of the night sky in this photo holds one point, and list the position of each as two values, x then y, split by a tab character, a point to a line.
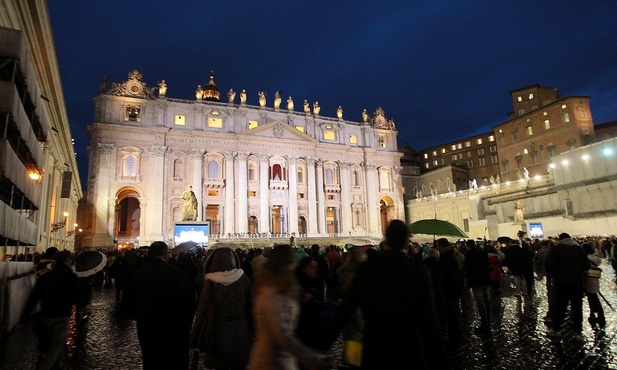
442	70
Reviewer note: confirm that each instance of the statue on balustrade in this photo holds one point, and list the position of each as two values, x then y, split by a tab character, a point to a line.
189	212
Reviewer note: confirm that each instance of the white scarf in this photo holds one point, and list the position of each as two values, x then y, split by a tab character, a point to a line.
225	277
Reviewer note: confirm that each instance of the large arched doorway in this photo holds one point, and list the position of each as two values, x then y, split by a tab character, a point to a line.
386	212
302	228
128	213
253	225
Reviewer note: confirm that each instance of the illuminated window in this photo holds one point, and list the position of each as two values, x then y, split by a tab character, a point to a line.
563	106
529	131
547	124
300	128
353	139
479	141
426	165
129	166
215	122
132	113
300	195
425	155
179	120
453	147
520	98
435	163
252	194
443	150
525	151
213	193
530	95
329	135
434	153
545	113
467	144
381	140
252	124
491	138
330	197
566	117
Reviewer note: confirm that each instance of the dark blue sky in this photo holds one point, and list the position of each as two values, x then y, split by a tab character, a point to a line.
442	70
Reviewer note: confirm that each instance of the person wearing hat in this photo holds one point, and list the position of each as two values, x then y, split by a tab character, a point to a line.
161	299
566	264
477	268
453	286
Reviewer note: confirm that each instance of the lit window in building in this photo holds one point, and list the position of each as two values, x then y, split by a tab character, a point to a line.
530	95
547	124
491	138
481	161
434	153
252	194
435	163
443	150
329	135
525	151
300	195
520	98
454	157
215	122
300	128
252	124
459	146
213	193
529	131
563	106
213	170
467	144
426	165
353	139
129	167
179	120
453	147
132	113
566	118
381	140
545	113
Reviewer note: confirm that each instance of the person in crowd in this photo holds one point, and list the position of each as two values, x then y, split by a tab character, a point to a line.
529	266
545	248
162	301
478	268
311	304
431	262
276	312
323	270
390	289
452	289
517	259
223	327
592	287
57	291
496	273
567	264
185	261
258	260
46	261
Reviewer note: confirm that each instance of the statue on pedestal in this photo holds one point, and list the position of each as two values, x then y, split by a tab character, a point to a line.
262	99
307	107
199	93
339	112
162	89
243	97
277	100
316	108
290	104
189	212
519	212
364	116
231	95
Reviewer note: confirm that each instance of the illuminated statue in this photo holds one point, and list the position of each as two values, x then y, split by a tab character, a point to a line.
262	99
339	112
316	108
243	97
307	107
519	212
364	116
231	95
199	93
277	100
290	104
189	213
162	89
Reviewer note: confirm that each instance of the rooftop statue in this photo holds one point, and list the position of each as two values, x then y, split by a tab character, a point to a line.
199	93
307	107
290	104
262	99
316	108
162	89
364	116
231	95
339	112
277	100
243	97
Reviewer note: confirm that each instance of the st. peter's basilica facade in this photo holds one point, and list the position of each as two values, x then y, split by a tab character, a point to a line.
256	171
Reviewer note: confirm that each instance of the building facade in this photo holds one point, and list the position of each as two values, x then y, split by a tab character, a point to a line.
256	170
39	181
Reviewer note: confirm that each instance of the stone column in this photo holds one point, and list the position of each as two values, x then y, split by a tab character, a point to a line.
292	179
105	171
151	228
321	200
312	201
372	204
399	201
229	193
242	194
264	194
345	198
196	156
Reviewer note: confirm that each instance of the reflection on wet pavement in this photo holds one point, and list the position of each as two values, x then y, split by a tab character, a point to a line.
105	340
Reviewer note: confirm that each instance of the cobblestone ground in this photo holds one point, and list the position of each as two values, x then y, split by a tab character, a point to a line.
104	340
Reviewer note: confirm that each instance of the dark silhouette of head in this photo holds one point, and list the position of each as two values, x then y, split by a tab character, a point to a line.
397	235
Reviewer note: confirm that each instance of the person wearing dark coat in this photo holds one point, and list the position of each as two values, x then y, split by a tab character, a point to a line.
389	289
517	260
453	285
57	290
566	264
478	270
162	301
431	262
225	301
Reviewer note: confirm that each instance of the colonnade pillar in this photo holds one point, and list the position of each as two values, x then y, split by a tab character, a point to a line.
229	210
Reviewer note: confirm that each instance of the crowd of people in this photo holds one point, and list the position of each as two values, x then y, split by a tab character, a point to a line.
283	307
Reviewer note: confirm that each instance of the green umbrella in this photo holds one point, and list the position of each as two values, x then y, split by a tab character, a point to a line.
436	227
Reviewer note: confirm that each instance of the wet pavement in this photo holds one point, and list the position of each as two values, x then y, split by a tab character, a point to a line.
105	340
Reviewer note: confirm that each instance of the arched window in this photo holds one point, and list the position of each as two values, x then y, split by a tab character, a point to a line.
213	170
178	168
129	167
329	176
252	172
356	178
277	172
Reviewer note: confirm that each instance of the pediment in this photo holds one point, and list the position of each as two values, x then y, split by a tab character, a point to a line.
278	130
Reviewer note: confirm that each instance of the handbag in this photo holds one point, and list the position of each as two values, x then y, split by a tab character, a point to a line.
205	341
352	352
594	271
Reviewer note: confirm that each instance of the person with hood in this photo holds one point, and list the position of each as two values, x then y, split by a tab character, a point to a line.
223	327
453	286
592	287
566	264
